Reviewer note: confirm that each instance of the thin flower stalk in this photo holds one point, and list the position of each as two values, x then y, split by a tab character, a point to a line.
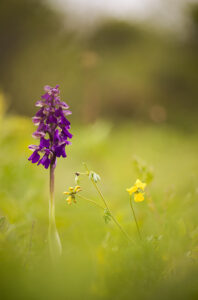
138	229
106	205
137	190
91	201
53	135
53	236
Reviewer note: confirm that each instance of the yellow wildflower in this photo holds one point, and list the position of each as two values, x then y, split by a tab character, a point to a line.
138	197
139	186
72	194
137	190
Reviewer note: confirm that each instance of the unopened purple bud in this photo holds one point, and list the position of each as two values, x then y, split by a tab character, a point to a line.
47	88
46	96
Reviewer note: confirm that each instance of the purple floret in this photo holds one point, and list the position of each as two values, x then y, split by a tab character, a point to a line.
53	128
34	157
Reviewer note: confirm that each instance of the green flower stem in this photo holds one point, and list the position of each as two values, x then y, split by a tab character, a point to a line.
83	173
107	207
52	201
138	229
53	236
91	201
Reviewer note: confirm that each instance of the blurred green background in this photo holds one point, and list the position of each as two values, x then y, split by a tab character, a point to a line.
132	88
115	68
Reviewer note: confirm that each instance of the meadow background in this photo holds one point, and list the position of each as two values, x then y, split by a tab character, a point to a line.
132	88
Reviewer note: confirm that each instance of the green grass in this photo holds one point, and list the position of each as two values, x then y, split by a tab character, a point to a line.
97	262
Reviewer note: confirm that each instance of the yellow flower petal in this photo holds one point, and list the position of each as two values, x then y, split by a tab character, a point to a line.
132	190
139	197
69	200
140	185
71	189
77	189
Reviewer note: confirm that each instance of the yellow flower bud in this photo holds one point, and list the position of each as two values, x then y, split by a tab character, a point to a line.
66	193
77	189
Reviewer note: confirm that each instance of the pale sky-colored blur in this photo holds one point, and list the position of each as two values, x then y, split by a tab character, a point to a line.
166	12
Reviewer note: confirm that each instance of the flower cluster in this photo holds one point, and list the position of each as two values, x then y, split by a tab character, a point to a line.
53	128
72	194
137	190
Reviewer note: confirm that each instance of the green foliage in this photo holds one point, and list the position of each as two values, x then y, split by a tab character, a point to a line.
144	172
97	262
114	35
120	70
107	216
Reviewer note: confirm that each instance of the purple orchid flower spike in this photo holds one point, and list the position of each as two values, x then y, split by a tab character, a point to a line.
53	135
53	128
